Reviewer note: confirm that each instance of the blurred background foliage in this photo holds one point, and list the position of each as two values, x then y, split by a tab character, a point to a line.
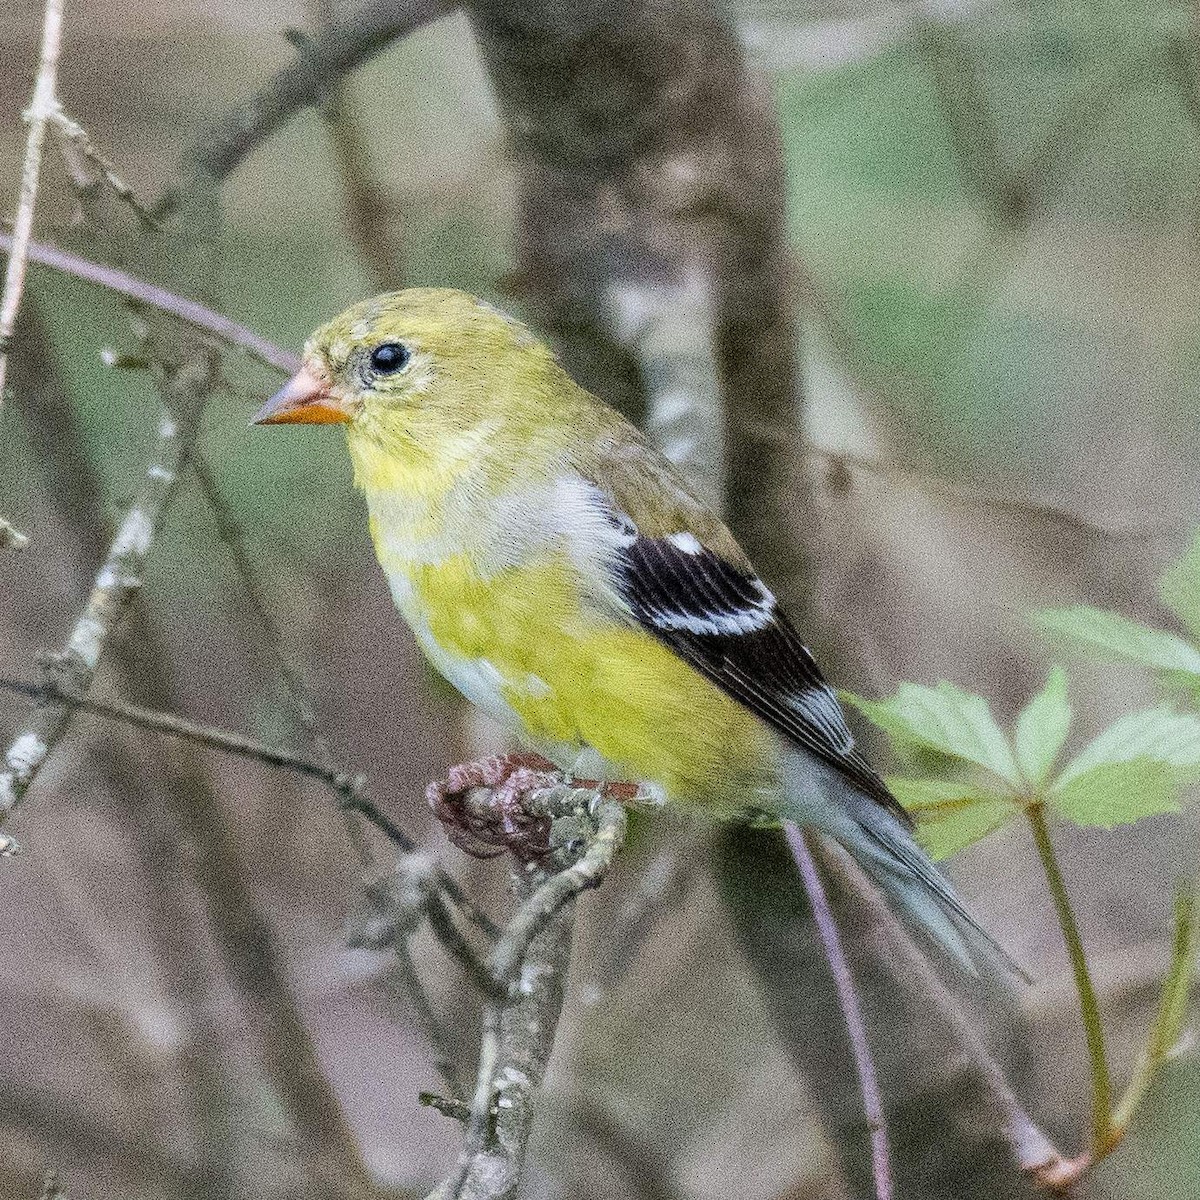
995	217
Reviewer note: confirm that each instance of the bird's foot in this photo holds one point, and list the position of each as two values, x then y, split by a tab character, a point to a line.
503	823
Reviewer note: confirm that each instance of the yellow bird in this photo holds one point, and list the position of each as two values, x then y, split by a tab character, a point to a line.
562	574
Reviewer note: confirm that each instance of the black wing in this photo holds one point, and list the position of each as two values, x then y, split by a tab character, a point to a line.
725	622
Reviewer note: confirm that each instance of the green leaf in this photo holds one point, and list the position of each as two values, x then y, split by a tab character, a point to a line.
1167	1030
1154	733
947	719
1109	636
1179	588
1117	793
1042	729
951	816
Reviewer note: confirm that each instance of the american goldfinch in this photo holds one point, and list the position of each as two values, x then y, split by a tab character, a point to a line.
563	576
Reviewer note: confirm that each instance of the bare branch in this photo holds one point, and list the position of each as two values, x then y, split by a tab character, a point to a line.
428	1022
967	494
1181	61
860	1043
662	886
41	108
350	789
971	125
191	312
1032	1150
116	581
230	534
456	1110
201	1061
58	693
74	139
343	45
367	209
11	538
52	1188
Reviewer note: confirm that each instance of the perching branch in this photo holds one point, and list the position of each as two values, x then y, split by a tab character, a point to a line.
528	967
41	108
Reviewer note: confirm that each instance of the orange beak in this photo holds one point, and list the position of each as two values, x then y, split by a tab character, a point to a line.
303	399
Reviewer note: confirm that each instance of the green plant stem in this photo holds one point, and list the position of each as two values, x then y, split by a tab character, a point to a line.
1102	1131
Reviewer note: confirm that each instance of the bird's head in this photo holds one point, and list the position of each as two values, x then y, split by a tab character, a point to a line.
430	359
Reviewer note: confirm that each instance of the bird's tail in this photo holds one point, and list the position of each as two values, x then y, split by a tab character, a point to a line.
884	847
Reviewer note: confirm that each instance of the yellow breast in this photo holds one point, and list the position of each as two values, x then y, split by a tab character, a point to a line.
513	626
528	646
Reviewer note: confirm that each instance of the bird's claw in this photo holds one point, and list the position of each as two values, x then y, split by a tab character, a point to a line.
503	823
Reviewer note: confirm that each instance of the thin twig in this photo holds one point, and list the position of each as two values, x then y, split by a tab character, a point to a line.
1032	1150
52	1188
71	133
342	46
191	312
1181	59
860	1044
117	580
982	498
450	1107
428	1022
41	107
229	531
57	694
441	921
367	210
11	538
974	136
350	789
661	888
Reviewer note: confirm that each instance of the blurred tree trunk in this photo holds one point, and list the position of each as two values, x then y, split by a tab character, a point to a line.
652	184
651	190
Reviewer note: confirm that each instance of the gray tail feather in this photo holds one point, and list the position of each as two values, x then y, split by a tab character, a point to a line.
885	849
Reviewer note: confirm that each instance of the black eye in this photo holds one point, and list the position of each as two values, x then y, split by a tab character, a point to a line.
389	358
